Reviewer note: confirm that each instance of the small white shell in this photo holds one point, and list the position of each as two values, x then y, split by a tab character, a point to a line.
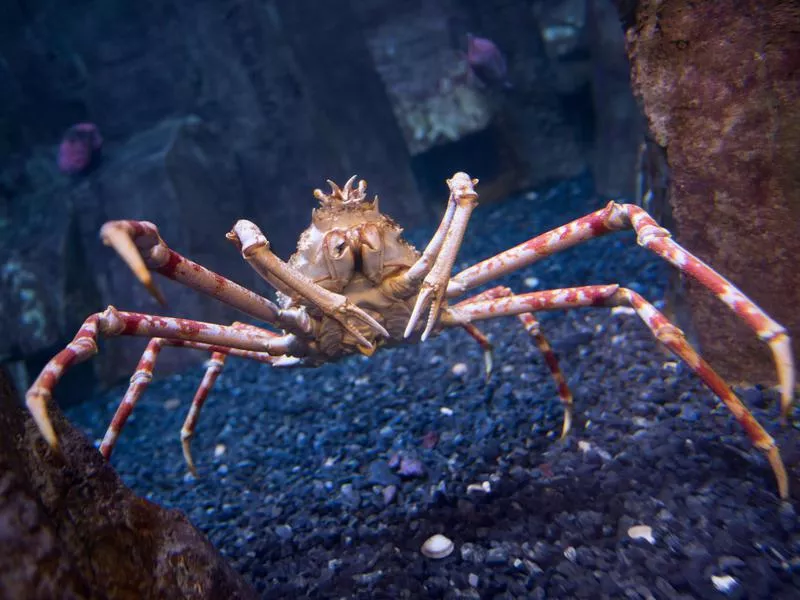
459	369
642	532
437	546
724	583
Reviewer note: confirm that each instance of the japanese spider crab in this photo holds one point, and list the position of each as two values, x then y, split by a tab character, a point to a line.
355	285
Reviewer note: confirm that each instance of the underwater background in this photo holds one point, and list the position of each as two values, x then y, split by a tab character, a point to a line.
330	482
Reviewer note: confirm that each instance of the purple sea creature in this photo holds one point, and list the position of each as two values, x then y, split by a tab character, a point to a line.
80	148
486	62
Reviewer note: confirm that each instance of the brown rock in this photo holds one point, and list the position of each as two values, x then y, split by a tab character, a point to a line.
73	530
720	82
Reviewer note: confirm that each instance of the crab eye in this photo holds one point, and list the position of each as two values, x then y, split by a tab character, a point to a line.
337	244
338	255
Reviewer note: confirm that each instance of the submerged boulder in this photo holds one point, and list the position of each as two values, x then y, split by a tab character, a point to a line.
69	528
719	82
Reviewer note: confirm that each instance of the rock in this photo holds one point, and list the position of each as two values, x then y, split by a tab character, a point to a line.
619	122
732	189
438	105
269	129
180	175
70	528
349	106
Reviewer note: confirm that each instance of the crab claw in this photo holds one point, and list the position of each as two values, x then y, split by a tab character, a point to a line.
423	300
347	310
116	235
434	286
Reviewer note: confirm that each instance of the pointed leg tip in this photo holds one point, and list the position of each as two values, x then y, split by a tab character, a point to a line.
105	451
567	426
787	404
488	364
779	469
154	291
37	405
187	457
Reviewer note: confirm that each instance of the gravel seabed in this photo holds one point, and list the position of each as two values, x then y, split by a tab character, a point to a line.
299	490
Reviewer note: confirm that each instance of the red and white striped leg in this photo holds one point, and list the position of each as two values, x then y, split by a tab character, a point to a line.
487	347
144	375
564	394
112	322
213	368
140	245
140	379
672	337
533	328
616	217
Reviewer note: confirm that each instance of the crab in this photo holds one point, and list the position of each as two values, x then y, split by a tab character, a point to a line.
354	285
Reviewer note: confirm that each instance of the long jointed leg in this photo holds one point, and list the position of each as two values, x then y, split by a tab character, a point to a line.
672	337
533	328
256	251
112	322
487	347
140	246
144	374
139	382
213	369
615	217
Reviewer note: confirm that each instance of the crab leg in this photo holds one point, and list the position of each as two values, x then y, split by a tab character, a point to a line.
139	382
669	335
140	246
650	235
255	250
213	369
112	322
487	347
143	375
434	286
533	328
